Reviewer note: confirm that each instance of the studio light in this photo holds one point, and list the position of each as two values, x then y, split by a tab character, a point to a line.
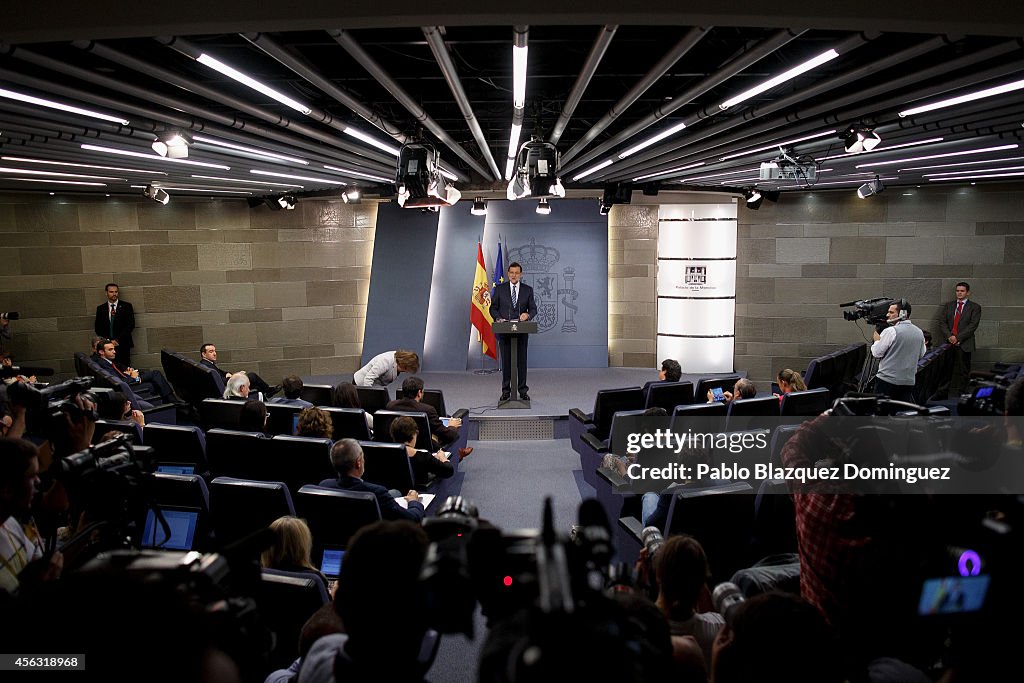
287	201
156	194
535	172
859	138
872	187
543	207
419	181
352	195
754	198
173	145
479	207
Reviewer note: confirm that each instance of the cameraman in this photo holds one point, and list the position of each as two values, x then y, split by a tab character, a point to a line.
898	348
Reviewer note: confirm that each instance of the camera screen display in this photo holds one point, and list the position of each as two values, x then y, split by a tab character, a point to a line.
984	392
953	594
331	563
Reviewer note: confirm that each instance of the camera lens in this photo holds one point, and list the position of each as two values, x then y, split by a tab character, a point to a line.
726	597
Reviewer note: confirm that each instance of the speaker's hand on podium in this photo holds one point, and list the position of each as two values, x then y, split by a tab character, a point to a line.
523	317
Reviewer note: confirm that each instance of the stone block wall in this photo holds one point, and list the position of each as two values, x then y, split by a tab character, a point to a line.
278	292
632	285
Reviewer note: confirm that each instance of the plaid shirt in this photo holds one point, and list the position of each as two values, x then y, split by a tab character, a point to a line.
831	538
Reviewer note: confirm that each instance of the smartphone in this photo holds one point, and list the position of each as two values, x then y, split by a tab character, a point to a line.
718	394
953	594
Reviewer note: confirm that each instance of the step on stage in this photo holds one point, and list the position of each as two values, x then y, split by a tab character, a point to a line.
553	393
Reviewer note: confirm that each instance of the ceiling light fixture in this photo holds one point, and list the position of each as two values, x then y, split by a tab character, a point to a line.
783	143
26	160
152	157
671	170
593	169
237	190
979	177
59	182
419	182
535	174
888	148
976	170
57	174
50	104
969	97
247	181
172	144
248	150
824	57
156	194
519	63
287	201
479	207
858	138
651	140
753	198
543	207
513	145
352	195
312	179
870	188
370	140
244	79
360	174
939	156
963	163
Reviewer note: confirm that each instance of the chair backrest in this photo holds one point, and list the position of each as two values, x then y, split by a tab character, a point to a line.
281	418
129	427
349	423
178	444
182	490
805	403
237	454
300	460
243	506
668	395
761	406
780	435
286	601
382	420
716	409
388	464
373	398
706	384
621	418
318	394
334	516
220	413
610	401
435	399
80	367
192	381
721	517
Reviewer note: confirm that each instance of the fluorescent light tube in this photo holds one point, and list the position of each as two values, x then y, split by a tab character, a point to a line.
976	170
939	156
248	150
152	157
651	140
325	181
246	180
969	97
359	174
360	135
237	75
783	143
29	99
61	182
671	170
978	177
58	175
826	56
25	160
519	62
962	163
887	148
593	169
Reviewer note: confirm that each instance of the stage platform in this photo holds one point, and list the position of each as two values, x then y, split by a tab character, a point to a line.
553	392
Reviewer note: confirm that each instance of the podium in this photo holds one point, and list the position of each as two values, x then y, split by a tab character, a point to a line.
515	329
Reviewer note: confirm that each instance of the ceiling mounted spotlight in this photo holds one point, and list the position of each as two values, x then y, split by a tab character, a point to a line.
543	207
754	198
157	194
352	195
420	183
479	207
872	187
535	172
172	144
859	137
616	193
287	201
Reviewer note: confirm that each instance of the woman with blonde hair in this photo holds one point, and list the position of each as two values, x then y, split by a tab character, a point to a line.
292	547
790	381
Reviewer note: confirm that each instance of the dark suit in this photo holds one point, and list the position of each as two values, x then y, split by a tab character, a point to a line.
389	509
152	379
970	317
445	435
256	382
501	308
117	327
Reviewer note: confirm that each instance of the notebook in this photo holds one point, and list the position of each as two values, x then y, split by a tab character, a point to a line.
182	522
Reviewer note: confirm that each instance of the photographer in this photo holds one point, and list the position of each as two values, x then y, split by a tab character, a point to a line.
681	571
898	348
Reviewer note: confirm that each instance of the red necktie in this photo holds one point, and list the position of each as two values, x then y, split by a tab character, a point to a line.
956	318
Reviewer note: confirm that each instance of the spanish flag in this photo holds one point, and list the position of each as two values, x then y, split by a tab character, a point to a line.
480	313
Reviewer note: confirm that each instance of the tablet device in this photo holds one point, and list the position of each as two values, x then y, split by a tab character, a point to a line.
718	394
330	565
445	420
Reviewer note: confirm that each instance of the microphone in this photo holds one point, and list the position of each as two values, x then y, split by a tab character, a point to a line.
27	370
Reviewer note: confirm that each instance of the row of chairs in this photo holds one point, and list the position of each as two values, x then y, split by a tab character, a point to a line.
141	398
837	371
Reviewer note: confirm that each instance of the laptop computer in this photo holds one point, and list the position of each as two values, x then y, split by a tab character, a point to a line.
182	522
330	565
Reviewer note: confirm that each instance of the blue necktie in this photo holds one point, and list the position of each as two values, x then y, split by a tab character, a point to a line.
515	299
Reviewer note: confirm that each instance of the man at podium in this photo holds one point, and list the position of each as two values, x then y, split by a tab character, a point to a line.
513	300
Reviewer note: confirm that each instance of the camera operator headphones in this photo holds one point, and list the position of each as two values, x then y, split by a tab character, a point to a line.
904	309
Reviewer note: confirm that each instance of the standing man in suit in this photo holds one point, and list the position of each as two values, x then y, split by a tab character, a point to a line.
115	320
960	320
513	300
